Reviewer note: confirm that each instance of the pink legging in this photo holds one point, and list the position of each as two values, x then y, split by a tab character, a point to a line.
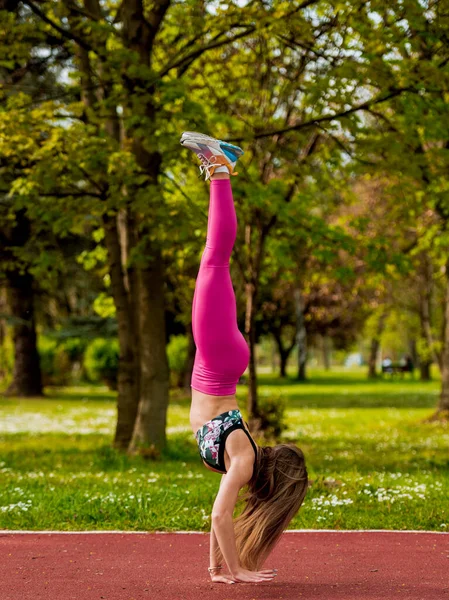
222	353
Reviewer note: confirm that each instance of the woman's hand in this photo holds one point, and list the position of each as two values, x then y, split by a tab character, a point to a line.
216	578
244	576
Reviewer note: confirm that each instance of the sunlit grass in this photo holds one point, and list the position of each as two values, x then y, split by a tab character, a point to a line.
373	461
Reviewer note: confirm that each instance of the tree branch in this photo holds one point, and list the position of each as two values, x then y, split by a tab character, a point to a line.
68	35
185	62
325	119
236	257
157	14
189	200
345	149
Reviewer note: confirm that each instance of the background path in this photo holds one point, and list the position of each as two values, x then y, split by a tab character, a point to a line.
141	566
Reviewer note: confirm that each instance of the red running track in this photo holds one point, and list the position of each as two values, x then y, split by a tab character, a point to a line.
313	565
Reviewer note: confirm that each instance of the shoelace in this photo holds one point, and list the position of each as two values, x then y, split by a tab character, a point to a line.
207	164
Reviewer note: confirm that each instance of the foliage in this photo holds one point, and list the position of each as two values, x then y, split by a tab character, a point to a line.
6	359
177	349
349	96
101	361
272	414
75	348
55	362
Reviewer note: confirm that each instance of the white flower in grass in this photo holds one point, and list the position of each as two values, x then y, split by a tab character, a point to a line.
24	506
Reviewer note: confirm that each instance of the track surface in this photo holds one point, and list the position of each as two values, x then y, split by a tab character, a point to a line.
313	565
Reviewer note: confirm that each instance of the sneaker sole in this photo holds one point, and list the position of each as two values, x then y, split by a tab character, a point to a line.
215	143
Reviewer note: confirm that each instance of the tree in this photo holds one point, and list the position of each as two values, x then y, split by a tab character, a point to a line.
33	62
406	138
306	88
129	85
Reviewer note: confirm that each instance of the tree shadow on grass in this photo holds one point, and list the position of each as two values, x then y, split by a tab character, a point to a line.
346	380
358	400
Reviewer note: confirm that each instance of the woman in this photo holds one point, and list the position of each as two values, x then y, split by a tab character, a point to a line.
276	477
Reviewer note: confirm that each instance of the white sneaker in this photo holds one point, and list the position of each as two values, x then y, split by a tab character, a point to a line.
213	153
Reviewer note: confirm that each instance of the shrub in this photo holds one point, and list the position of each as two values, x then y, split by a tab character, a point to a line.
55	363
272	411
47	351
75	348
177	351
6	360
101	361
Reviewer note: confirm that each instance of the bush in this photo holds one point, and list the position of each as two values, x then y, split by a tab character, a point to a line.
101	361
59	360
75	348
6	360
177	352
272	411
55	364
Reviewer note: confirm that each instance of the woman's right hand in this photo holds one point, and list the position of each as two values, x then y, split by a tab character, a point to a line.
244	576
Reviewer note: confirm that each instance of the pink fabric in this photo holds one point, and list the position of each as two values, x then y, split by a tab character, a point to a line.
222	353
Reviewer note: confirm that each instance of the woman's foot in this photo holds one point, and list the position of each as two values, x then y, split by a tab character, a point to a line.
215	155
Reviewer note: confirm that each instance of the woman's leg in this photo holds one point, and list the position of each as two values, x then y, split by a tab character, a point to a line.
222	353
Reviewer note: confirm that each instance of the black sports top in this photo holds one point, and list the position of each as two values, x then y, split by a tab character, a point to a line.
211	438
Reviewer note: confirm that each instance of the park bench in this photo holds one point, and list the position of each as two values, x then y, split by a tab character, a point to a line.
395	369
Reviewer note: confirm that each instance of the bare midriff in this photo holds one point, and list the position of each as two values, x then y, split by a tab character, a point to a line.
205	407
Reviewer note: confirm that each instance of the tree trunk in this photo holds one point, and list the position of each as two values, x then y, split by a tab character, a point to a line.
139	30
301	335
191	350
326	347
425	309
150	427
283	356
123	283
414	353
252	406
128	374
375	346
3	308
284	352
273	356
443	405
372	359
424	370
27	379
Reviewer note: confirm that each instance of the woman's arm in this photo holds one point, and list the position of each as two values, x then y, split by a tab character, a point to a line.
224	530
214	548
223	511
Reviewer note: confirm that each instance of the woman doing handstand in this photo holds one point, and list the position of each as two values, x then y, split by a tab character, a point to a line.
276	477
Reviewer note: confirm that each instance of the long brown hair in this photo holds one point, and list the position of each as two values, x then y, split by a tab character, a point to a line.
271	500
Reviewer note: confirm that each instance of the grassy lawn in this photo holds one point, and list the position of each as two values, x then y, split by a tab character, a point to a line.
374	463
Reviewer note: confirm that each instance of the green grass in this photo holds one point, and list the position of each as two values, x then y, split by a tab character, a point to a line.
374	462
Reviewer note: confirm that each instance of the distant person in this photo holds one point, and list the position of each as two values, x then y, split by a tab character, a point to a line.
276	477
387	365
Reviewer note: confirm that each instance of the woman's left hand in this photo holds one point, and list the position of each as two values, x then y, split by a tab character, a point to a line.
217	578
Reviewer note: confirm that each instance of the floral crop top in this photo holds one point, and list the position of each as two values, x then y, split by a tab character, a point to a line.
211	438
